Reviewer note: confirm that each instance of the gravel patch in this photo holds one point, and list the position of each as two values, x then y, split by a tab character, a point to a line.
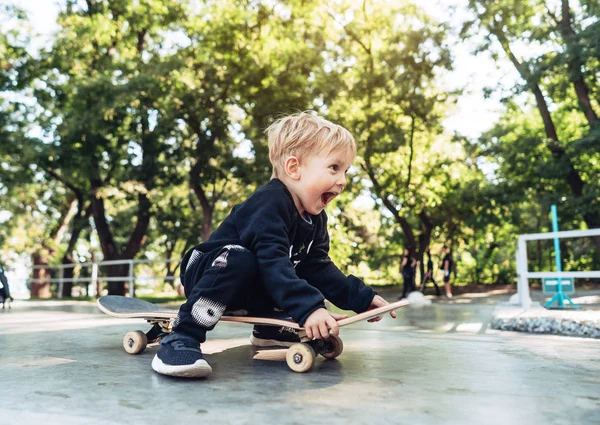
539	320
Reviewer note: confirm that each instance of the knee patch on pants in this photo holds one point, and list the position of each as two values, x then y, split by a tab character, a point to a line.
194	256
221	260
207	313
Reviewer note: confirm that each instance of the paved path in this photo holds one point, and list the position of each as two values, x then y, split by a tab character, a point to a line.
62	363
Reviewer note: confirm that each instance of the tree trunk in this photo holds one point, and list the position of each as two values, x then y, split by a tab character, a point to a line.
409	235
136	241
79	223
575	65
40	289
171	269
48	251
105	236
424	240
203	154
207	208
120	287
68	272
107	243
411	152
140	231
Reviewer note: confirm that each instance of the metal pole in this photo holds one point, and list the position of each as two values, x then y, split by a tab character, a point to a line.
61	283
131	288
94	282
560	297
557	254
522	280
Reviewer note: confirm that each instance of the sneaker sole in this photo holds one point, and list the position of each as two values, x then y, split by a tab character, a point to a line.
200	369
270	342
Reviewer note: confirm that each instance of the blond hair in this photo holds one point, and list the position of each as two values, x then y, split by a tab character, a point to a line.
303	134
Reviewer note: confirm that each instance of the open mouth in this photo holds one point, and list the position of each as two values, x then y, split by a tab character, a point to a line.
327	197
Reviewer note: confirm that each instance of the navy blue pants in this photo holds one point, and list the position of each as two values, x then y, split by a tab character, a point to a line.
223	279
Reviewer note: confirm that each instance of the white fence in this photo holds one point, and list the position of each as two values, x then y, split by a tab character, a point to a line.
95	277
523	274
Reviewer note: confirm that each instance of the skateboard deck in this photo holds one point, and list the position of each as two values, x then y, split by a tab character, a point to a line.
300	356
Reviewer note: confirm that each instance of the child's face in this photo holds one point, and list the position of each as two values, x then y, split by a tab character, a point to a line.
322	178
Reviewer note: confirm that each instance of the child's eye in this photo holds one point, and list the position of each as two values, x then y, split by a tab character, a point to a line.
334	167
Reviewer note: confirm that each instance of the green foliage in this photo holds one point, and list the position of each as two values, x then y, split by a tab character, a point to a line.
548	157
153	113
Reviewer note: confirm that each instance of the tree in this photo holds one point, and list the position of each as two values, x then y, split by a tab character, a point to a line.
558	79
103	83
384	65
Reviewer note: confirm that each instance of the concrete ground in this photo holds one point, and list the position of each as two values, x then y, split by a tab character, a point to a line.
62	363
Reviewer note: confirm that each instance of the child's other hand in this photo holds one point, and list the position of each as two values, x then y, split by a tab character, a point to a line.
319	323
379	302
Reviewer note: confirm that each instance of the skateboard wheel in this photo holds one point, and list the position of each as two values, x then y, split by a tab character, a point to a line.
300	357
333	347
135	342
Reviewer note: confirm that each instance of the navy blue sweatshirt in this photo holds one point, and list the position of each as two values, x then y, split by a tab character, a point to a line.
293	260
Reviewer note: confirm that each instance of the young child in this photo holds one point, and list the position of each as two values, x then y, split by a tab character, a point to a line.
271	253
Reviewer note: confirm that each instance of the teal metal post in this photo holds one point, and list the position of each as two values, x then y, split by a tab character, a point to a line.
560	296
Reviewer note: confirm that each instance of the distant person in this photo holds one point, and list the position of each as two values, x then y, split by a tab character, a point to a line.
408	273
447	265
429	275
5	289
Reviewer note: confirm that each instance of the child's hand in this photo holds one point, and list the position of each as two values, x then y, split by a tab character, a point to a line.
338	316
379	302
319	323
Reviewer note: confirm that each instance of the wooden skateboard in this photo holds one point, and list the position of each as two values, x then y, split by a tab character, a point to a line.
299	357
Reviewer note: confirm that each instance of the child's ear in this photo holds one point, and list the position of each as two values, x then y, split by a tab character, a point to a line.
292	167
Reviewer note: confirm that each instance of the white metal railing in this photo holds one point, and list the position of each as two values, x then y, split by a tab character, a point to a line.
523	274
95	277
